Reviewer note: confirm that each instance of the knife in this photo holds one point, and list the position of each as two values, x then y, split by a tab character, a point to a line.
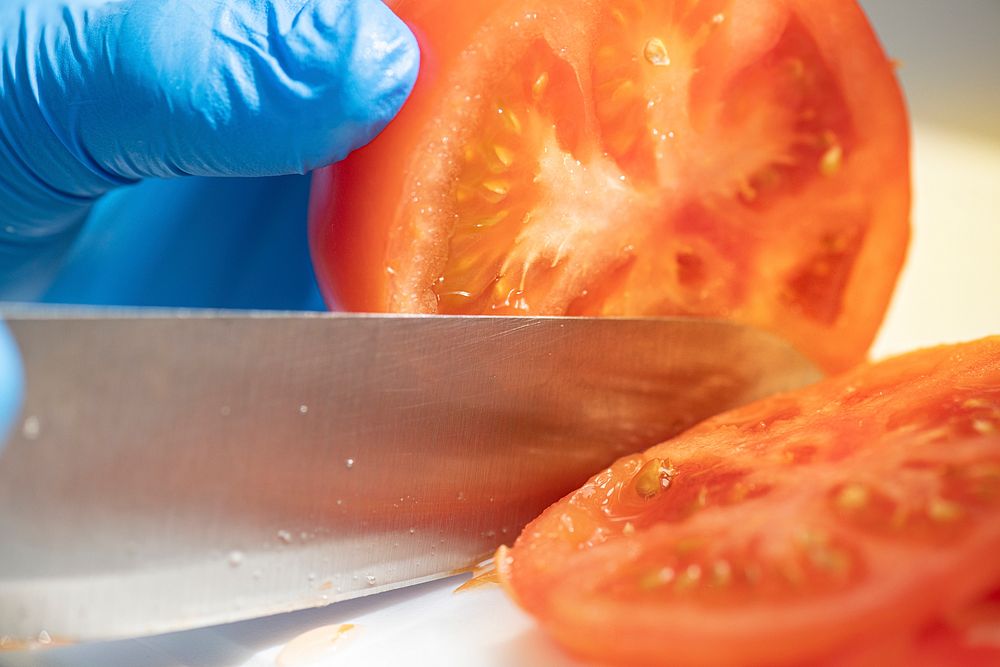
173	470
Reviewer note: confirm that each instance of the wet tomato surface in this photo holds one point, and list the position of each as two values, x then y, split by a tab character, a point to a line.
743	159
855	522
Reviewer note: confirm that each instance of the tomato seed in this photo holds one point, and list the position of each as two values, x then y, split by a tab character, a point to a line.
689	579
943	511
655	52
540	84
497	186
984	426
505	155
832	160
658	578
655	476
722	573
852	497
833	561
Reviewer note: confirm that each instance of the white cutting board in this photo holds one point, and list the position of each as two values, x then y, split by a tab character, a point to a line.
950	291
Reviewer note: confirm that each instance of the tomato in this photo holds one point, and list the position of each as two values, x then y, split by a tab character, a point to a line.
745	159
859	510
968	637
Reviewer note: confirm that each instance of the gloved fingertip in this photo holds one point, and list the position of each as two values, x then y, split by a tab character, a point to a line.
388	57
377	59
11	383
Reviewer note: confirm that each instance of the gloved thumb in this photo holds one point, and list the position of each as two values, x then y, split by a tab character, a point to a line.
100	93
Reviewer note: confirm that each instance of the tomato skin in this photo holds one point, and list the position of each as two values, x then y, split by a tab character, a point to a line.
801	528
383	227
353	203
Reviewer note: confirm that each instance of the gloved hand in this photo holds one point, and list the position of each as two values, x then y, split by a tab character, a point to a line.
98	94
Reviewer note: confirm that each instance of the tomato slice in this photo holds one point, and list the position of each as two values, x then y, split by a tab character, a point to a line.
859	509
969	637
745	159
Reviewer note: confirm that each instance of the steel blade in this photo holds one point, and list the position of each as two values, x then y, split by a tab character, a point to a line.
178	470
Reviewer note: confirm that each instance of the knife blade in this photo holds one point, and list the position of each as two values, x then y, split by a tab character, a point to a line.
181	469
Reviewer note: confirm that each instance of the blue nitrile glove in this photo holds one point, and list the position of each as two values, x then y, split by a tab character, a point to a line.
97	94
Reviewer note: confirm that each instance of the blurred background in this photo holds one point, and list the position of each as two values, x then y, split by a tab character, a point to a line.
950	60
949	55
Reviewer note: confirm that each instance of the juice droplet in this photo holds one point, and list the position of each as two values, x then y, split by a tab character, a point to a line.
311	647
235	558
349	463
285	536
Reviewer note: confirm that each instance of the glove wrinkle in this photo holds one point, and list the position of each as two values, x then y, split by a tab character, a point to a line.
51	188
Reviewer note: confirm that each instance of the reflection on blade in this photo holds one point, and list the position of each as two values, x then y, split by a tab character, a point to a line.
175	471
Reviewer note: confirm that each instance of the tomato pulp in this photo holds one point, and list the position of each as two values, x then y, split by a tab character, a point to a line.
856	521
743	159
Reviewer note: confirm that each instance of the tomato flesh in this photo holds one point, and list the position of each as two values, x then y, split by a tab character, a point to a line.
791	530
718	158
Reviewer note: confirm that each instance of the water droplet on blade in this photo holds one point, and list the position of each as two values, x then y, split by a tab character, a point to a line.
32	428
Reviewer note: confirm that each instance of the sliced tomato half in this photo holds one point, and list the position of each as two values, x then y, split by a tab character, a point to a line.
807	526
744	159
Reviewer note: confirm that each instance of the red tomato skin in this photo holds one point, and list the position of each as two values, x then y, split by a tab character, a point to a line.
354	202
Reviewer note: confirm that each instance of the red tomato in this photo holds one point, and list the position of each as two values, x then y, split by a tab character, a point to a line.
837	518
968	637
745	159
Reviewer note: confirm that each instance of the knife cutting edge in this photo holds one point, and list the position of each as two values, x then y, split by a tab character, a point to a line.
181	469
